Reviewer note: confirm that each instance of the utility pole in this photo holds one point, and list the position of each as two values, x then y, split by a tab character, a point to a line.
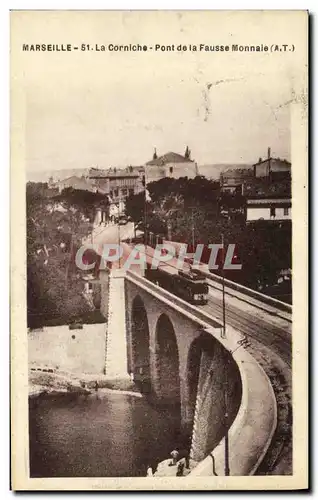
118	244
223	289
118	229
226	418
192	230
69	260
226	437
145	216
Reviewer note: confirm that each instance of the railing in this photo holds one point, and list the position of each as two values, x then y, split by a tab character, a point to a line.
186	309
251	293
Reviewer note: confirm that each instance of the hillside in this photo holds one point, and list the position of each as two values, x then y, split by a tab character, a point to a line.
56	174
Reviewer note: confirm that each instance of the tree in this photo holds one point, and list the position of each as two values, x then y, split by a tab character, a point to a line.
83	201
192	209
135	207
55	228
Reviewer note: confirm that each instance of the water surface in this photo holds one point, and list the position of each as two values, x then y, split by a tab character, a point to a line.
106	434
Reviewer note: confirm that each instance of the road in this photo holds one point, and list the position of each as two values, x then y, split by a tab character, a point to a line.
258	321
248	321
270	343
111	233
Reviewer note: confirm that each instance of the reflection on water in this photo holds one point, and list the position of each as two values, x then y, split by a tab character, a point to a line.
98	435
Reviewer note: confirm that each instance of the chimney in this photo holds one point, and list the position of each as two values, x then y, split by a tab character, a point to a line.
260	159
269	162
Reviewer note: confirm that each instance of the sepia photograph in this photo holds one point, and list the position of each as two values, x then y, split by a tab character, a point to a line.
159	228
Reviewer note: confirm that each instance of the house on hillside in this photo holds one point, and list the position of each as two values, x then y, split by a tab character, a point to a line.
171	165
232	180
268	193
117	184
275	169
269	201
75	182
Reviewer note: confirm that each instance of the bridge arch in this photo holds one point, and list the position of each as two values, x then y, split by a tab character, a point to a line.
140	341
202	344
167	362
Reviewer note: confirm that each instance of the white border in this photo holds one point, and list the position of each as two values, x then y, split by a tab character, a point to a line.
4	184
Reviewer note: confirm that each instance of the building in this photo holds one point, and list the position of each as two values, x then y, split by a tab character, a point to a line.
268	193
273	168
267	200
117	184
171	165
272	209
74	182
232	180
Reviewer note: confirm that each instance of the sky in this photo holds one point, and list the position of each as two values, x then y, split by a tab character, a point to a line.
111	109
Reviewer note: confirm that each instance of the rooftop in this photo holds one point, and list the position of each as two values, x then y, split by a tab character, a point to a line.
76	183
169	158
96	173
261	188
260	161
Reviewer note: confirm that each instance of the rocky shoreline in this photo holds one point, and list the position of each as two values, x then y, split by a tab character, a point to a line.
48	381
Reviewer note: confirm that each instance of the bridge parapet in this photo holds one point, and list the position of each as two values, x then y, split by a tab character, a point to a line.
270	301
191	311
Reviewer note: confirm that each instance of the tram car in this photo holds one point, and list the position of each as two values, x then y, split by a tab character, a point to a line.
188	285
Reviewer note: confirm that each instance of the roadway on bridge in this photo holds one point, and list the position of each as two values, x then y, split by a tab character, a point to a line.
248	320
112	233
247	315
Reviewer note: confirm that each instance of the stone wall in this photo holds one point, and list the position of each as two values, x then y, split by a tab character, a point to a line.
77	351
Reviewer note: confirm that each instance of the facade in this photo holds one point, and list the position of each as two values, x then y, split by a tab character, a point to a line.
171	165
117	184
269	209
268	198
274	168
76	183
265	190
232	180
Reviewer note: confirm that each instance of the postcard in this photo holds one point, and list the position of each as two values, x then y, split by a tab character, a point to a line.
159	250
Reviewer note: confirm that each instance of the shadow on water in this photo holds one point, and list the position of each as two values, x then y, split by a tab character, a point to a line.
99	435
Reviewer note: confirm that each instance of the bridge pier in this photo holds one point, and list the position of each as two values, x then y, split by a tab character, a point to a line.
116	343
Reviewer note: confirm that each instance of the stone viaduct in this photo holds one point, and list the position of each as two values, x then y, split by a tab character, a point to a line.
177	353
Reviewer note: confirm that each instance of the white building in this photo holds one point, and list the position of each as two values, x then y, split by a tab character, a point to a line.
171	165
271	209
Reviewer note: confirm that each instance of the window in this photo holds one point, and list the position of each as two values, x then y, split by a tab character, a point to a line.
171	170
273	212
286	211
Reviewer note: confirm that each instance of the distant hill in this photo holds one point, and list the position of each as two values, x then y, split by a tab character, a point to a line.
213	171
58	175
